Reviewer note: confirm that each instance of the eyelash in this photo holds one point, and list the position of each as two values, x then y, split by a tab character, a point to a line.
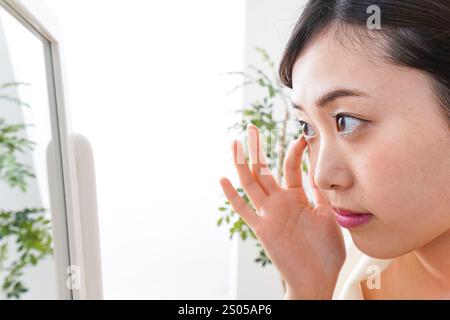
335	116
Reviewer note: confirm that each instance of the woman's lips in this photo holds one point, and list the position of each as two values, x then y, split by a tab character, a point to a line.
351	219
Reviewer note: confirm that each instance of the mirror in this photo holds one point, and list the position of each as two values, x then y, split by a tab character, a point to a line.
32	214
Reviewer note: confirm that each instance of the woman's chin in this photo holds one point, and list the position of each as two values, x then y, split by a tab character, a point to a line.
378	248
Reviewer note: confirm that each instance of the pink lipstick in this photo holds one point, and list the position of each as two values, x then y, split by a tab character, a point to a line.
351	219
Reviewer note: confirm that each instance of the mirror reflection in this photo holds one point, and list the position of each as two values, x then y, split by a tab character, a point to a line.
27	263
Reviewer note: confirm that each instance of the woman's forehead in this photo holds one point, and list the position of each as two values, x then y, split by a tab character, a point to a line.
329	65
327	60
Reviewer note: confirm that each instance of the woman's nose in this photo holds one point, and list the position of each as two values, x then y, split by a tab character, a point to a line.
330	168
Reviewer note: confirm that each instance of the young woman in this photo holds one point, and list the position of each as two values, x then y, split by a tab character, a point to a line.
374	108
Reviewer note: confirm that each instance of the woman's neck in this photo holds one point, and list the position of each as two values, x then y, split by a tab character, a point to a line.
434	260
421	274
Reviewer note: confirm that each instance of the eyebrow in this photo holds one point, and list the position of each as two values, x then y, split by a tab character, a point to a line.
331	96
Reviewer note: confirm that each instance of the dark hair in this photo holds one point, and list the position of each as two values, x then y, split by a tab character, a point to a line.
413	33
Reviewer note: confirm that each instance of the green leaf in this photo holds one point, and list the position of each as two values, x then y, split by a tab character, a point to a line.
271	91
304	167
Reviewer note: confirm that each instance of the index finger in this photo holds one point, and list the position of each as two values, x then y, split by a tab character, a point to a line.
251	187
293	162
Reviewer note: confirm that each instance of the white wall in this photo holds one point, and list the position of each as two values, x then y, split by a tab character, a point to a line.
144	88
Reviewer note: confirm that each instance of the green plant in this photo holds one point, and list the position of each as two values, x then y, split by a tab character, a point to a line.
261	113
27	231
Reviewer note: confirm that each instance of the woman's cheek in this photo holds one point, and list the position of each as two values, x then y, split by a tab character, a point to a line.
393	178
385	178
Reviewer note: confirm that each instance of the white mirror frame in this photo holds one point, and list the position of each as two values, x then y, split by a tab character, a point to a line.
72	282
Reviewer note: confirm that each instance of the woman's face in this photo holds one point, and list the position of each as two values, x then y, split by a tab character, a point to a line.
390	158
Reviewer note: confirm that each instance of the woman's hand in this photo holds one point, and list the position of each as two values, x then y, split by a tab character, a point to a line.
305	243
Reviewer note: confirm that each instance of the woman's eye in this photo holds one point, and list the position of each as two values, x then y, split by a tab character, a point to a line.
306	129
347	124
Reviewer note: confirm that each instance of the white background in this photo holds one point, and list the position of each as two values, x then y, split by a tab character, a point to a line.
144	87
